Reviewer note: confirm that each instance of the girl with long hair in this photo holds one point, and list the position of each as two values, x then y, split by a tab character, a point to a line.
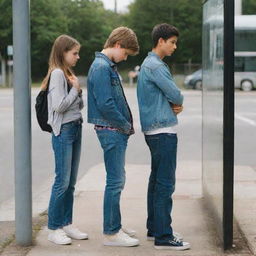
64	116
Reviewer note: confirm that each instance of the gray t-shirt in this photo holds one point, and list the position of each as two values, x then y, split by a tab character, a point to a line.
63	106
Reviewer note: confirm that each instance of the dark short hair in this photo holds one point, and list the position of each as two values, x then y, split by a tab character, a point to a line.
164	31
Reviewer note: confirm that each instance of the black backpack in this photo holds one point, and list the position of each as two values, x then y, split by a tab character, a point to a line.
42	109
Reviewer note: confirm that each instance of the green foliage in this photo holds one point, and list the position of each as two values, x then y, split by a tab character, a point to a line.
5	26
47	22
183	14
249	7
90	24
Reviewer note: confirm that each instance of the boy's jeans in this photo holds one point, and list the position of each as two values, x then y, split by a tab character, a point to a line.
67	149
163	148
114	146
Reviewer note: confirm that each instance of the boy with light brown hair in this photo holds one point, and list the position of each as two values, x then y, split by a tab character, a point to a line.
109	111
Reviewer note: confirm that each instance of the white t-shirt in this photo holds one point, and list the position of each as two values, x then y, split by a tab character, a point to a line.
170	129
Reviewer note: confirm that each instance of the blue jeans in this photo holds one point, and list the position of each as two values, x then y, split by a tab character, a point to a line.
163	149
67	149
114	146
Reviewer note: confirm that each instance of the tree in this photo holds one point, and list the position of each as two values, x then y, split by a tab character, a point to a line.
5	26
47	22
89	24
249	7
185	15
85	20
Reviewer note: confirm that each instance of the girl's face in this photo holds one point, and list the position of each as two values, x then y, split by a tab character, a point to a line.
72	56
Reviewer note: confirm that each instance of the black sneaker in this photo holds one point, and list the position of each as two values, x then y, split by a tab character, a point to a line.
150	236
172	244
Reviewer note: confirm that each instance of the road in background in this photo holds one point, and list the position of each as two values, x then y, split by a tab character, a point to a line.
189	148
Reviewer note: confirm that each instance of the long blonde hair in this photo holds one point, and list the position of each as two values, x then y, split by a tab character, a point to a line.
62	44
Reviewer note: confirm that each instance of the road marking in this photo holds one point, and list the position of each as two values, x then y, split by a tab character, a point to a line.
246	120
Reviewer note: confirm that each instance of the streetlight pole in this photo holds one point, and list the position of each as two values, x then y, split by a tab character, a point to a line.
22	122
115	6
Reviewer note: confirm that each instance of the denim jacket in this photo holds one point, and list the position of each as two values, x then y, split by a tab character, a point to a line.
156	90
107	105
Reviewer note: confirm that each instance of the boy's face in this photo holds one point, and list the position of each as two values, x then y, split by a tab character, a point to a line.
168	46
120	54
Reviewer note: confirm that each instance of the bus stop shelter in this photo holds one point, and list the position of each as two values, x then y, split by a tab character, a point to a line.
218	116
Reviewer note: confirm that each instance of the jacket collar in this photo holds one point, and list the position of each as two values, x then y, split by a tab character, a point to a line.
156	56
110	62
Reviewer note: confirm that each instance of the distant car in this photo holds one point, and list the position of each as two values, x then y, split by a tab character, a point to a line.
194	80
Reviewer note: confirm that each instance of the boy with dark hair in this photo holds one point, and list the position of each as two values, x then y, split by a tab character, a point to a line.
159	103
108	110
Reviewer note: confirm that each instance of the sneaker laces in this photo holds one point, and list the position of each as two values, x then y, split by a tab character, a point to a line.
123	234
177	240
72	228
61	233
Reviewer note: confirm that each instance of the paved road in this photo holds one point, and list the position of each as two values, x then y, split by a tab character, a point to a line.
189	139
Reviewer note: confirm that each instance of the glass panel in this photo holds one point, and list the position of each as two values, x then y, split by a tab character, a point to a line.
213	77
245	40
245	64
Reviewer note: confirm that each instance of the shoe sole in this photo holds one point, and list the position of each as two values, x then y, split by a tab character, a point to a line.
174	248
59	243
120	245
85	238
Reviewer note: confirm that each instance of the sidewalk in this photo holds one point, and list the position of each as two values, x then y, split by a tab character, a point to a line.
189	217
245	204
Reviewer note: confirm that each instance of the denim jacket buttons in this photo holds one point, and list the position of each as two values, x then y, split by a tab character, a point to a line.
107	105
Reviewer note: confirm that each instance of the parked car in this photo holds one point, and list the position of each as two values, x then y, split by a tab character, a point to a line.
244	80
1	81
194	80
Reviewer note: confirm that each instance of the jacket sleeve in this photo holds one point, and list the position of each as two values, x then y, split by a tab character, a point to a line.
163	79
101	88
61	101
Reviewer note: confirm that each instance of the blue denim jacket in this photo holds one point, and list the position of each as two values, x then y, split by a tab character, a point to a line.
156	90
107	105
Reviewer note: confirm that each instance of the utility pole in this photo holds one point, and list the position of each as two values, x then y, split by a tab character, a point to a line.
115	6
3	70
238	7
22	122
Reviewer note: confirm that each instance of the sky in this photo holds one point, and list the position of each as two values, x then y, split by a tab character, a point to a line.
121	4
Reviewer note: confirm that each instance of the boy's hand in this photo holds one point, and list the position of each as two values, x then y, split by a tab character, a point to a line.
176	108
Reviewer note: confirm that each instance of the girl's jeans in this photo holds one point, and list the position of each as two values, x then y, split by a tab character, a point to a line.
67	149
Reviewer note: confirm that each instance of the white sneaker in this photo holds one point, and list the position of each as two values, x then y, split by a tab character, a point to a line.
120	239
129	232
74	232
58	236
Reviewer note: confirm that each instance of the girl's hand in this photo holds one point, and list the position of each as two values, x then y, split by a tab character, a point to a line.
75	82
